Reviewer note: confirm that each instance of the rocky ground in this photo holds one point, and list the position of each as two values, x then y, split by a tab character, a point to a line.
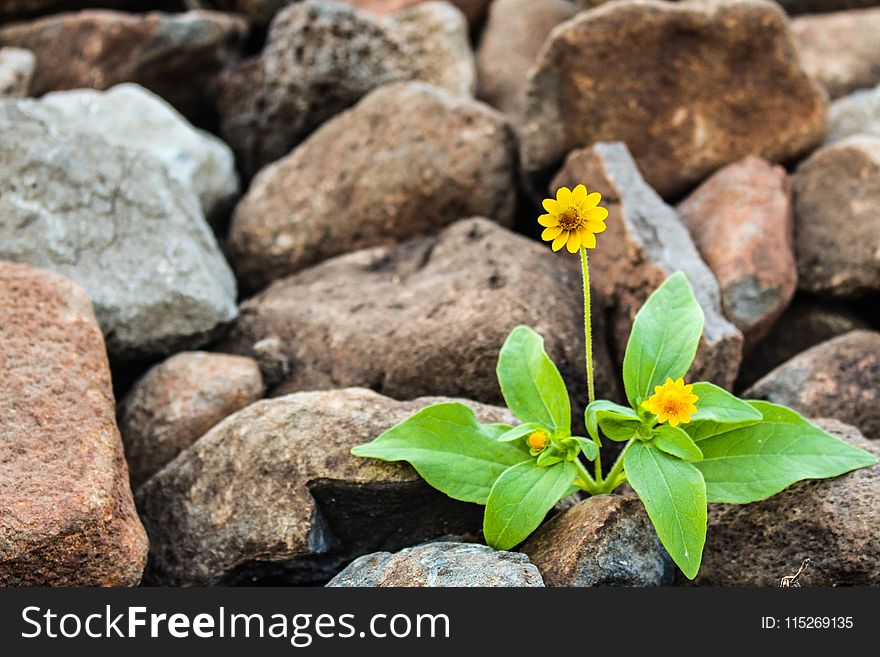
239	237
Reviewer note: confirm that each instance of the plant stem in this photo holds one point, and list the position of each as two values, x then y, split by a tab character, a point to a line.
589	484
611	482
588	344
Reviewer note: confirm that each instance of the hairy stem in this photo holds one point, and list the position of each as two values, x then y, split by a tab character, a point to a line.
588	345
616	476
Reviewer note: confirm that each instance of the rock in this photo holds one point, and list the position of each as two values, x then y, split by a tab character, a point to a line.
646	242
440	565
840	377
803	325
441	158
512	38
741	220
426	317
840	50
607	540
272	102
832	521
130	116
678	113
16	70
113	221
66	513
795	7
858	113
474	10
258	12
99	49
10	9
177	401
273	494
837	226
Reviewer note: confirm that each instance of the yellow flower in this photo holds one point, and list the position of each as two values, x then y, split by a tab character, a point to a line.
673	401
573	219
537	440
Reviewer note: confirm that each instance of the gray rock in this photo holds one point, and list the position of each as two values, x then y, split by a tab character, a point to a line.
273	494
129	115
440	565
16	70
607	540
856	114
113	221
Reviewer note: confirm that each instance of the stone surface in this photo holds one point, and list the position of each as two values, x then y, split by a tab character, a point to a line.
645	243
832	521
742	222
16	70
113	221
657	76
10	9
177	401
259	12
607	540
837	226
426	317
407	160
272	102
840	377
840	50
474	10
803	325
177	56
272	494
511	40
796	7
130	116
436	565
858	113
66	513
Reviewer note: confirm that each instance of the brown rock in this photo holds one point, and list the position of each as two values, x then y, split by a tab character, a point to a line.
840	50
607	540
16	70
273	101
512	38
688	86
837	226
426	317
474	10
645	243
832	521
66	512
177	56
840	377
407	160
179	400
742	222
272	494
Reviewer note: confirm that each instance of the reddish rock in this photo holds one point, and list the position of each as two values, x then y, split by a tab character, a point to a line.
742	222
66	512
841	50
177	56
645	243
407	160
837	226
474	10
688	86
179	400
512	38
840	377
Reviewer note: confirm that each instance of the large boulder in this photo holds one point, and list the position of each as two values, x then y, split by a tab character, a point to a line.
475	10
426	317
408	160
273	494
66	513
646	242
856	114
443	564
112	220
688	86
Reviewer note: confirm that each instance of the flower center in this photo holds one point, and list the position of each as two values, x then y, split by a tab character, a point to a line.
569	219
537	440
672	406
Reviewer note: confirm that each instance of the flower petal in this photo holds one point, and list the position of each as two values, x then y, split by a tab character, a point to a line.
588	240
551	205
560	241
596	214
574	241
548	220
563	195
595	227
592	200
673	421
551	233
578	194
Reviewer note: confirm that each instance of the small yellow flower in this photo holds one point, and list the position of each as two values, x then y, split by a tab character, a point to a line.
573	219
673	401
537	440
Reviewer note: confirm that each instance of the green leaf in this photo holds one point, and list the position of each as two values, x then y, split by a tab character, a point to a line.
674	440
664	339
718	411
449	449
674	495
752	463
617	422
530	383
520	431
588	448
520	500
550	456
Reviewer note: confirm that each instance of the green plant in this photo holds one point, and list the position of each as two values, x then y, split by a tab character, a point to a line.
684	445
